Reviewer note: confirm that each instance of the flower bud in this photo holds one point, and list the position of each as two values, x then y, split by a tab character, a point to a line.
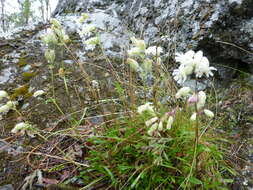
208	113
194	116
133	64
201	100
3	94
151	121
146	108
20	127
169	122
152	129
38	93
160	126
183	92
4	109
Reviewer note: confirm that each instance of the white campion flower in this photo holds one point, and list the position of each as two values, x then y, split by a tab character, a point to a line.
38	93
49	38
185	58
208	113
193	116
201	100
151	121
154	50
3	94
169	122
133	64
23	127
152	129
146	107
202	65
179	74
183	92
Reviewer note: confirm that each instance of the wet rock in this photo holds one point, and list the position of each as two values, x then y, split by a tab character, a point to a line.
7	187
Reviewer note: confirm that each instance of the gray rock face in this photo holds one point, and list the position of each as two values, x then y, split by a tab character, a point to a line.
223	29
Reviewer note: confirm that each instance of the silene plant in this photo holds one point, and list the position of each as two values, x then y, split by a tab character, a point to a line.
191	64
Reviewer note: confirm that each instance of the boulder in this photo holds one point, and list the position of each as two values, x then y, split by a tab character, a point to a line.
223	29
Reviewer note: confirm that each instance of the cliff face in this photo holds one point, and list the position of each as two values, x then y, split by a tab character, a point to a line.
223	29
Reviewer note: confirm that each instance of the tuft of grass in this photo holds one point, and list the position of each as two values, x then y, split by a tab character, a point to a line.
124	157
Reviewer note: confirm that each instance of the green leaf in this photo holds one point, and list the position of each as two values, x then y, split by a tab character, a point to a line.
195	181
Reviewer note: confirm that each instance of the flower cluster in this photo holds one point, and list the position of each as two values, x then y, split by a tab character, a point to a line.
23	128
141	58
190	63
9	105
193	63
56	36
156	124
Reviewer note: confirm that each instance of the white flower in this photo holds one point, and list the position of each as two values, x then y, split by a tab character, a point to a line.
160	126
169	122
183	92
133	64
88	30
22	127
3	94
38	93
146	107
154	50
202	67
194	116
180	74
4	109
209	113
185	59
152	129
201	100
151	121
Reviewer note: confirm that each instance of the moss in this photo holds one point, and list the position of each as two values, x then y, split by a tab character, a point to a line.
22	62
21	91
27	76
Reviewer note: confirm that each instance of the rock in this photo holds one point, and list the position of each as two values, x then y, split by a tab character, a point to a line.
223	29
7	187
